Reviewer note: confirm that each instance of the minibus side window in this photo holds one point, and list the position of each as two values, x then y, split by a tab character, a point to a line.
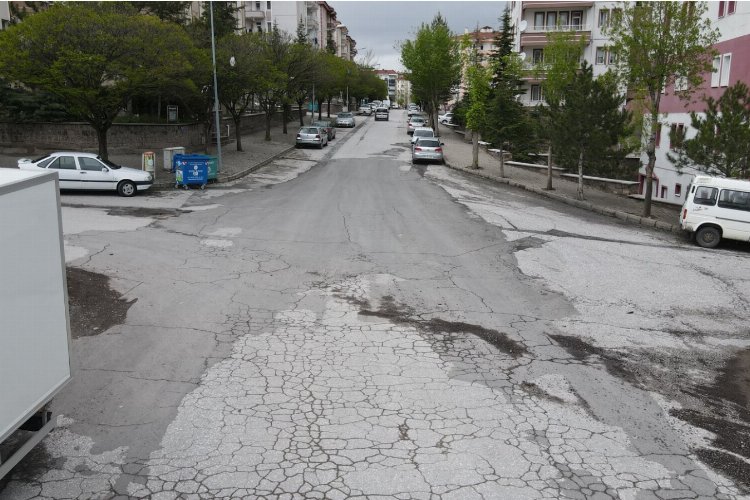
735	200
705	195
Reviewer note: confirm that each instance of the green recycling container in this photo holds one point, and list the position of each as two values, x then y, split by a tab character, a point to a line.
213	168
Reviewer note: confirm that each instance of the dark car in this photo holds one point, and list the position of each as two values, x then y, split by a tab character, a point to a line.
328	126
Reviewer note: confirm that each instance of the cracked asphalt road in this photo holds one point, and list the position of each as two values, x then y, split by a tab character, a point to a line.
341	324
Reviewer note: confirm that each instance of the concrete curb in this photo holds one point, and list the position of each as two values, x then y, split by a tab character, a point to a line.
236	175
585	205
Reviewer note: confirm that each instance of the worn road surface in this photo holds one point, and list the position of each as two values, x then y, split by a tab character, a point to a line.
344	324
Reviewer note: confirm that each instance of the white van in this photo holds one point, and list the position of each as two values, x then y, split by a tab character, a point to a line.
717	208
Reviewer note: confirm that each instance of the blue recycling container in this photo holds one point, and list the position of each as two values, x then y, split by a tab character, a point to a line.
191	170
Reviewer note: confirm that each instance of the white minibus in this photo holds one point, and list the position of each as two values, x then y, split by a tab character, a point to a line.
717	208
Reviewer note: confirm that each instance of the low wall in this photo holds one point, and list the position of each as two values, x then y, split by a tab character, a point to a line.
616	186
31	138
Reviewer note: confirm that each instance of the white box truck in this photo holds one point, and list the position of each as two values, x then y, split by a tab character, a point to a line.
34	323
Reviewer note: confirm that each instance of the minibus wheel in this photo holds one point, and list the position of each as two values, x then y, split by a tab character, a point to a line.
708	237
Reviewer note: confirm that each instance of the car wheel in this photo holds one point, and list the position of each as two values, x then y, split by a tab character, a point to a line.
708	237
126	188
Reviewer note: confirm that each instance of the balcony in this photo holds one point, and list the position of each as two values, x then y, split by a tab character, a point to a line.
255	14
537	36
555	5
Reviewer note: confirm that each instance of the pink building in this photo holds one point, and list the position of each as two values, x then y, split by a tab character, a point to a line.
732	64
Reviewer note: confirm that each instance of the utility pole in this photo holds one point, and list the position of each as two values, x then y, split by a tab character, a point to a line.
216	90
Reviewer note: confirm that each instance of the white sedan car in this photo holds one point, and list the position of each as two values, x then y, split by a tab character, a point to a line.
88	171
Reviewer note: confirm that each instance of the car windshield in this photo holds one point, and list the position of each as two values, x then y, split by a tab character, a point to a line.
108	163
424	133
345	115
40	159
417	120
320	124
429	143
309	130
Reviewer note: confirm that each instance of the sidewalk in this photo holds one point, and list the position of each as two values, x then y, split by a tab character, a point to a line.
235	164
458	155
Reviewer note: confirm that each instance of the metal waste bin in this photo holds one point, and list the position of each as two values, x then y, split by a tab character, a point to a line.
169	154
213	168
191	170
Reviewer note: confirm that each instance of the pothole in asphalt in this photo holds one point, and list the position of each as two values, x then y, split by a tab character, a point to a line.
154	213
94	306
404	315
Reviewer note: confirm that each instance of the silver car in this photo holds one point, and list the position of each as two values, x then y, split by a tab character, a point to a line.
420	132
345	120
427	149
312	136
414	122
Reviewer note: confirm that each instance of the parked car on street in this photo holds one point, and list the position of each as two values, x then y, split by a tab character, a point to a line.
420	132
345	119
413	110
365	109
414	122
312	136
77	170
381	113
327	125
427	149
446	118
717	208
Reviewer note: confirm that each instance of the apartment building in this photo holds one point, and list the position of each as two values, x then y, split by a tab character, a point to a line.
730	65
403	90
390	77
483	41
4	15
317	17
533	20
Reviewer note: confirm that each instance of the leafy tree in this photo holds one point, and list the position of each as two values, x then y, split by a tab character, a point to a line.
434	64
330	43
504	48
273	82
21	104
588	122
237	81
172	12
559	66
94	57
299	66
477	94
721	145
655	42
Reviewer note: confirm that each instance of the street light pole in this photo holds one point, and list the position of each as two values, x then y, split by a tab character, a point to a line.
216	90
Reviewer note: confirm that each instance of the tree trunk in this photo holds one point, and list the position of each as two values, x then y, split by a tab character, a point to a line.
237	132
580	176
328	108
320	110
101	136
269	116
301	104
474	149
549	168
651	152
285	118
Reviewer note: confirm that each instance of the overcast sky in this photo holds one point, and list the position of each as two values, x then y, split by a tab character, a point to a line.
381	25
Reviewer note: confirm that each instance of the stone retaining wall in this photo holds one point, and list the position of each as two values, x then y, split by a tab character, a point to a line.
33	138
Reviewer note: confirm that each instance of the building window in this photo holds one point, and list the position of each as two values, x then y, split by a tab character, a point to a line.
536	92
268	5
731	7
564	19
269	26
258	26
680	84
677	190
726	63
664	191
537	56
715	71
539	21
576	19
257	5
721	8
603	17
551	19
601	55
676	135
658	135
